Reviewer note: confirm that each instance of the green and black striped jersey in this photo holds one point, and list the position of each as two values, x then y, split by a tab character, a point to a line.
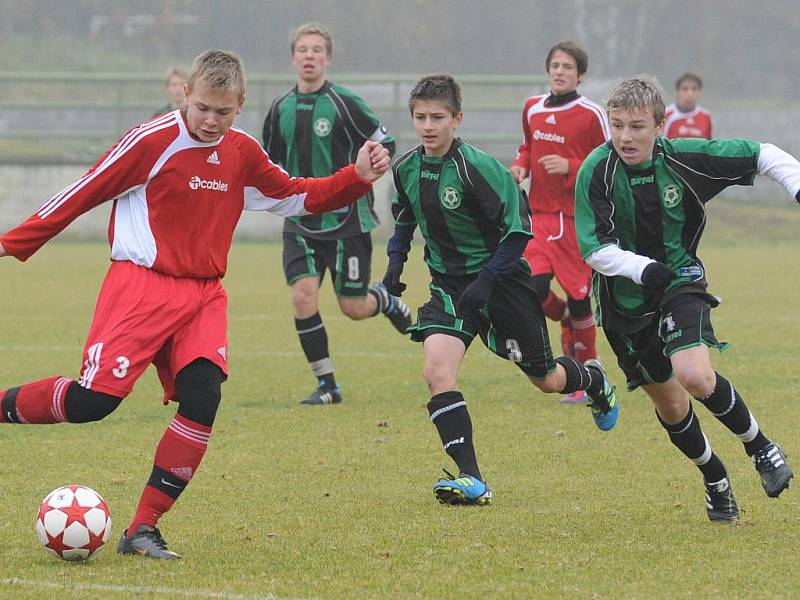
656	210
465	203
315	135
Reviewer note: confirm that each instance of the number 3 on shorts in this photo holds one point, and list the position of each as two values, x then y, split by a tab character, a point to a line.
514	351
122	367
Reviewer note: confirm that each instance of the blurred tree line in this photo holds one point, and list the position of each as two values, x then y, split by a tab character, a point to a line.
742	48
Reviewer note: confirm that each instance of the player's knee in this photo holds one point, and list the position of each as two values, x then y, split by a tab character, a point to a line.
199	390
541	283
671	408
355	308
438	376
303	304
304	299
579	309
84	406
698	380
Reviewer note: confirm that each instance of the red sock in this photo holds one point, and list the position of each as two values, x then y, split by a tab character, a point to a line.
583	338
38	402
554	307
567	342
177	457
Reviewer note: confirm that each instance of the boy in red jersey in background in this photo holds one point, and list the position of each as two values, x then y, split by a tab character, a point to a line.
684	117
179	183
560	129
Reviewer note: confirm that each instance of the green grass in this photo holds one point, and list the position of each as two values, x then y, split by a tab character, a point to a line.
336	502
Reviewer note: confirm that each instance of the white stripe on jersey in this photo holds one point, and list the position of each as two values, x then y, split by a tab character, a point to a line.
127	142
598	111
48	208
601	116
264	152
290	206
363	134
91	365
133	238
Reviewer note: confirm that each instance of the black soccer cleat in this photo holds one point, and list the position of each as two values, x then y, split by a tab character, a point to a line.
147	541
393	307
324	395
775	472
720	503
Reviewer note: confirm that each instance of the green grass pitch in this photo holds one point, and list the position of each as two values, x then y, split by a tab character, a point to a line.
335	502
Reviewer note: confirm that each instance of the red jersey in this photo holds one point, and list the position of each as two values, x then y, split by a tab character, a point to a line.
695	123
177	200
571	130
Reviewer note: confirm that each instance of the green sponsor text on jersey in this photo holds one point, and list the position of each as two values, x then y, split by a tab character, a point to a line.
314	135
465	203
655	209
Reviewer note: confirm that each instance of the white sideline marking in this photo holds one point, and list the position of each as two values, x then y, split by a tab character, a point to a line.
130	589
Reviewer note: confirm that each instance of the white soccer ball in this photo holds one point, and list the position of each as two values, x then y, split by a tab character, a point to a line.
73	523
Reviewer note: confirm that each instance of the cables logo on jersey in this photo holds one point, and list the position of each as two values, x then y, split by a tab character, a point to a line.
196	183
538	134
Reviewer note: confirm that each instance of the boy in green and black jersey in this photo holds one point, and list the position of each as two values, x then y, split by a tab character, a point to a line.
639	214
476	223
313	130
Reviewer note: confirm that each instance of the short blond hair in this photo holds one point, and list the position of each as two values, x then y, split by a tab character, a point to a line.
642	91
218	69
175	72
308	29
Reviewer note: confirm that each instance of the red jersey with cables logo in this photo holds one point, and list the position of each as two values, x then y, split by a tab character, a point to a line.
177	200
570	130
693	124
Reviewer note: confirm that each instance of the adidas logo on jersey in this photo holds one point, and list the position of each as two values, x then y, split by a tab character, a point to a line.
213	158
551	120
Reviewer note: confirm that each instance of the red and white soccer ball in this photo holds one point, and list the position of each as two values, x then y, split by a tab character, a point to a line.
74	522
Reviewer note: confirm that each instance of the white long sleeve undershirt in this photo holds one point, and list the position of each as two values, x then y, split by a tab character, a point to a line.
780	166
773	162
613	260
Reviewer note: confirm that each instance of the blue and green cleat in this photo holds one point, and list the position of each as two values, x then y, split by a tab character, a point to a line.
462	490
605	409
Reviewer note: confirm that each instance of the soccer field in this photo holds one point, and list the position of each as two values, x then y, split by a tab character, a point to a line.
335	502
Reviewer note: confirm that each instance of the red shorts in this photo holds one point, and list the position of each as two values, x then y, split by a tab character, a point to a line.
144	317
554	249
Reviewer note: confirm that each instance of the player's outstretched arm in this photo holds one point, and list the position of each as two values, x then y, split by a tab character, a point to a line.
780	166
372	161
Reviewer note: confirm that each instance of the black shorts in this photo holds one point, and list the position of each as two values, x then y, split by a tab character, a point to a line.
682	322
347	259
512	324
